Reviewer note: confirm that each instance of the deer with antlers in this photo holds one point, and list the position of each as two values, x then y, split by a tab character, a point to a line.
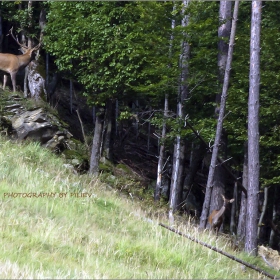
217	216
11	63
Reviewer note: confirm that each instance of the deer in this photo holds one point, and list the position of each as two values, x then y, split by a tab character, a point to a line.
11	63
217	216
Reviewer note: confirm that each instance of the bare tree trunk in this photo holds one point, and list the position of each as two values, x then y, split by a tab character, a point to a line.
233	210
116	117
29	44
264	206
241	229
48	77
135	108
197	154
223	33
161	153
176	188
210	181
253	132
71	95
96	143
273	235
107	150
160	167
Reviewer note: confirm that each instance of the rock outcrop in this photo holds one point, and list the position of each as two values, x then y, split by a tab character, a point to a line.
36	124
39	124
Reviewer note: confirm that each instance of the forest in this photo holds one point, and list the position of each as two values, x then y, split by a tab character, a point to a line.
185	92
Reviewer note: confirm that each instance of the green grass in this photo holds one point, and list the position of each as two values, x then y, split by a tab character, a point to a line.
106	235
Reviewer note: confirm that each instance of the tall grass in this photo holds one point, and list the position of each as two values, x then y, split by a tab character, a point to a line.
102	236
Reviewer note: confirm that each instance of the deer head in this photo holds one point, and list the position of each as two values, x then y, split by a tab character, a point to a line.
11	63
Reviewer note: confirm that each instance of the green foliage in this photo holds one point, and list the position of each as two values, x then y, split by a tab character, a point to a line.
92	40
129	51
22	17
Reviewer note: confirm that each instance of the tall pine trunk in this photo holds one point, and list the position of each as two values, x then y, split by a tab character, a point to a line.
96	143
241	228
160	166
161	153
210	180
176	189
253	132
108	134
223	33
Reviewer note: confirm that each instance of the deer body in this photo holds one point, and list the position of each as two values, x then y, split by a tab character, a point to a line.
11	63
217	216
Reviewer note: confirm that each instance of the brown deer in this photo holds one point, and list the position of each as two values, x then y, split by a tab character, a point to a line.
217	216
11	63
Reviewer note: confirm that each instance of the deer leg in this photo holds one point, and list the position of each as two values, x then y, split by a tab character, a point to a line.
13	77
5	81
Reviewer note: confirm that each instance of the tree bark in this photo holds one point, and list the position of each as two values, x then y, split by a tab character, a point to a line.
71	96
241	229
161	153
233	211
273	232
107	150
223	32
29	44
96	143
264	206
253	132
176	188
160	166
210	181
197	154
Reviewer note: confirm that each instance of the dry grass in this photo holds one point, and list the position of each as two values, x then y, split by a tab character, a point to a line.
102	236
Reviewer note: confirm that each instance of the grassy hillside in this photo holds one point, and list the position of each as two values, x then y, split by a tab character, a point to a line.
55	224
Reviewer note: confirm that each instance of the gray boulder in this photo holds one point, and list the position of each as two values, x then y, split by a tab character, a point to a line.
39	126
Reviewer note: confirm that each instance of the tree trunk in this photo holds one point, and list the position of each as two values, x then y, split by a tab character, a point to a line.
135	108
241	229
48	77
116	115
107	150
96	143
223	33
233	210
275	217
264	207
71	95
176	188
210	181
161	153
160	166
253	132
197	154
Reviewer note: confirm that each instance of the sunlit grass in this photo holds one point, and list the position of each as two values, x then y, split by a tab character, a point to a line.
103	236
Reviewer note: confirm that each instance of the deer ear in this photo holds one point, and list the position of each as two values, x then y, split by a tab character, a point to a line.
231	200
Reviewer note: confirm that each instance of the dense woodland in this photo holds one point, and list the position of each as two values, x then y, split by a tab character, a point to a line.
187	91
